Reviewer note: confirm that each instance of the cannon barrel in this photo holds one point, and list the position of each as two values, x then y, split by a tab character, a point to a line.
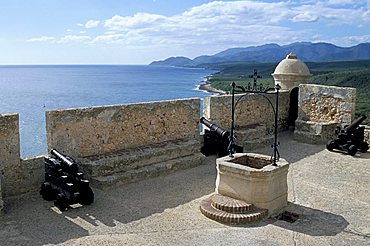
351	128
67	162
213	127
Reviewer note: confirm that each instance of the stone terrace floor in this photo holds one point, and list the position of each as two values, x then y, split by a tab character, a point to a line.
330	191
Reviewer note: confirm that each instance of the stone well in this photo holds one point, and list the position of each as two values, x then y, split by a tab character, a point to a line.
251	177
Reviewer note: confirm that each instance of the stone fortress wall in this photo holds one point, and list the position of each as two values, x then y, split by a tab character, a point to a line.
124	143
251	110
321	110
142	135
87	133
326	103
254	117
101	130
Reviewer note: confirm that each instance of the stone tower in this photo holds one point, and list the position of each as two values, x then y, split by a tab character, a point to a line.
291	72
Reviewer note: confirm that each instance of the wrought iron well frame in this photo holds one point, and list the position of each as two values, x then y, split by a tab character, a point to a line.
259	90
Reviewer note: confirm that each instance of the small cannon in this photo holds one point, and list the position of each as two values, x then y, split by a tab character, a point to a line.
216	140
64	183
350	139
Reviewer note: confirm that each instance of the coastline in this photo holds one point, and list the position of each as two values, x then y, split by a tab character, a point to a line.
206	86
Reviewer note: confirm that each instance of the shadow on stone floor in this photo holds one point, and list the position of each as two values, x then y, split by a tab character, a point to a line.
359	155
32	221
310	221
289	149
313	222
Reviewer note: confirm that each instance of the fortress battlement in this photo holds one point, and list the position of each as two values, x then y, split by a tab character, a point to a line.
118	144
107	130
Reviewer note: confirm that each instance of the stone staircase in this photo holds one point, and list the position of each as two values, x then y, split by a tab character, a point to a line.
231	211
131	165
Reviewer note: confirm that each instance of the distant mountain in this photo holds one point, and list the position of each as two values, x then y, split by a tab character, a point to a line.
178	61
306	51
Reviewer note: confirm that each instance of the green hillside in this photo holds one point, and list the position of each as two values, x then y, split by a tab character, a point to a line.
239	73
345	74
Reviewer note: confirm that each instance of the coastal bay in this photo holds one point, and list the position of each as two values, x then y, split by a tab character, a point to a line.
32	90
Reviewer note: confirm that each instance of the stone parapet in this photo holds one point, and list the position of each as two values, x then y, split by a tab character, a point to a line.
101	130
33	171
253	115
318	103
10	166
125	143
314	132
136	158
367	134
18	175
148	171
321	110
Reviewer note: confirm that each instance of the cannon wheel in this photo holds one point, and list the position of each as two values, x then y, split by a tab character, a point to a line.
87	197
330	145
47	191
364	147
352	150
61	202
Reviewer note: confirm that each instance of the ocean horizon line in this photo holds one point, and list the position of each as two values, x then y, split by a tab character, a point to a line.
30	90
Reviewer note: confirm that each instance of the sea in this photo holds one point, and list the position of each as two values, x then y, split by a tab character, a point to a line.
32	90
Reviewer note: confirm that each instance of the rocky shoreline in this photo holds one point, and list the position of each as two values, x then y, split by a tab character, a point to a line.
208	87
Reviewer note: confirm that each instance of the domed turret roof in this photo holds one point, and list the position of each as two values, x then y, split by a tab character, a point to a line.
292	66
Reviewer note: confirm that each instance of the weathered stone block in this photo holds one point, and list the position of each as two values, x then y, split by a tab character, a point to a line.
252	178
149	171
367	134
321	110
10	169
318	103
33	172
136	158
17	175
314	132
253	137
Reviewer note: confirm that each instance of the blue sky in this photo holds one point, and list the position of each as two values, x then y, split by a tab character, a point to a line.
140	31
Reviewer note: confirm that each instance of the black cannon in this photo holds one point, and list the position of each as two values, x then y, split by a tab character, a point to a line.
350	139
216	140
64	183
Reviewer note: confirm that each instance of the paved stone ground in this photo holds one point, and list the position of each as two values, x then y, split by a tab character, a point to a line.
330	192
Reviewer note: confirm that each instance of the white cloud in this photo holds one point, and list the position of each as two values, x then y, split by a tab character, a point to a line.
342	2
225	24
92	23
73	38
306	17
42	39
109	39
328	15
351	40
79	24
138	20
224	21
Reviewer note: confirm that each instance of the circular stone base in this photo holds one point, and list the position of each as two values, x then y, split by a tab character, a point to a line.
228	210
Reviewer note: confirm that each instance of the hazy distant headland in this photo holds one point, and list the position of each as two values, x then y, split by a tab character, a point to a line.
273	53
